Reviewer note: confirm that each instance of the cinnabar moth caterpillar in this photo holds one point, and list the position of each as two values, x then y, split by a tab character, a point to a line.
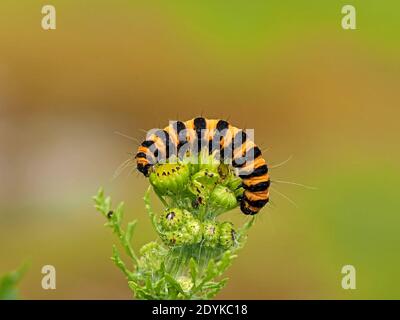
231	144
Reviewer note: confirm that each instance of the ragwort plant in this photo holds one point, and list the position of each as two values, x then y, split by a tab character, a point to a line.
194	248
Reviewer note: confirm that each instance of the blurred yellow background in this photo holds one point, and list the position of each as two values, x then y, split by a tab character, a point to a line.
328	96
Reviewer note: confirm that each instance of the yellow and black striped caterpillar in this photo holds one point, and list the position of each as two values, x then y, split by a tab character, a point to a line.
228	143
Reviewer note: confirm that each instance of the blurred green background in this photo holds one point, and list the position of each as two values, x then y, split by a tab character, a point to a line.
328	96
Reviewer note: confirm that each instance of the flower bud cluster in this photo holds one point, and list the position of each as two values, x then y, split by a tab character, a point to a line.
179	227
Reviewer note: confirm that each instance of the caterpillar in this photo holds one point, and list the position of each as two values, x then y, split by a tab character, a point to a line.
229	142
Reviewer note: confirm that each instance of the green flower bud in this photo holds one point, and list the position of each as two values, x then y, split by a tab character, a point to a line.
187	216
227	236
186	283
202	184
151	255
194	231
234	183
206	177
172	219
170	179
174	238
149	248
210	233
223	197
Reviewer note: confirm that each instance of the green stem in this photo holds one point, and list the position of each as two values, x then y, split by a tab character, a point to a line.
164	202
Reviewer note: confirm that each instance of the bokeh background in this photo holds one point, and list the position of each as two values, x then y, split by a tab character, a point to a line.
329	97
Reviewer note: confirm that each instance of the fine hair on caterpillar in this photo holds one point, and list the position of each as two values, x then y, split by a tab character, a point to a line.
201	142
163	147
285	182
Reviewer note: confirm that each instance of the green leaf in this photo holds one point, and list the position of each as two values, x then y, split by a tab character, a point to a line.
120	264
162	268
241	233
150	212
211	270
149	283
114	221
173	283
98	198
160	284
213	291
140	292
119	212
194	270
129	231
9	282
225	261
126	241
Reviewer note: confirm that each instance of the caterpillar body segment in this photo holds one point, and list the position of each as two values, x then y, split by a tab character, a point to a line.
228	143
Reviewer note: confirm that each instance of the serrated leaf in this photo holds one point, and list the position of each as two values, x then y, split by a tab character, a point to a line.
211	270
140	292
159	285
162	269
225	261
214	290
119	213
210	273
241	233
98	198
174	284
194	270
149	283
120	264
129	231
